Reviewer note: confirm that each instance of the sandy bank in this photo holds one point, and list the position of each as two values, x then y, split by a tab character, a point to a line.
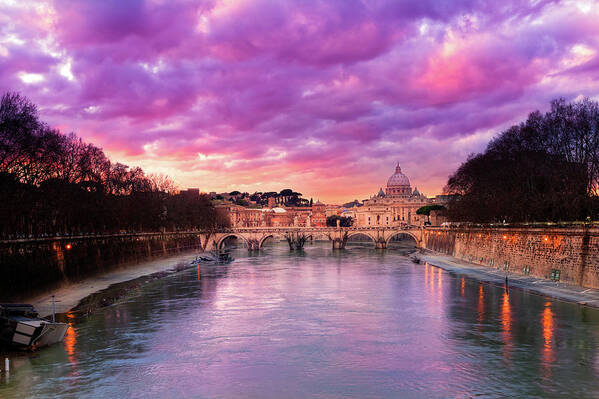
69	295
563	291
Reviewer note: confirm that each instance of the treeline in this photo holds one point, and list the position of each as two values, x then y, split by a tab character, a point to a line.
286	197
56	184
344	221
544	169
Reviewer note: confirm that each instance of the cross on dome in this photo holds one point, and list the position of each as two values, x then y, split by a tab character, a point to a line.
397	168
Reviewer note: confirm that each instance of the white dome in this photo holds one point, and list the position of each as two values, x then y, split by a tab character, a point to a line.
398	179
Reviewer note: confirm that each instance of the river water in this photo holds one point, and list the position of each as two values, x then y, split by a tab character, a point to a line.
358	323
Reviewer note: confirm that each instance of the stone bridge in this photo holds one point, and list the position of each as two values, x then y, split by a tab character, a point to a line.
254	237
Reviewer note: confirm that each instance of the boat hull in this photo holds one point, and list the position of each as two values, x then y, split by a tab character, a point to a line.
20	328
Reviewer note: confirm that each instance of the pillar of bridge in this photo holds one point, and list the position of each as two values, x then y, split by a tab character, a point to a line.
381	244
208	241
295	240
338	243
253	244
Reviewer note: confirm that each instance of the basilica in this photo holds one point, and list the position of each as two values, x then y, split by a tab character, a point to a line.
395	206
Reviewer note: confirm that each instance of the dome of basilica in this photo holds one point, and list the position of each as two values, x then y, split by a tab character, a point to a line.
398	178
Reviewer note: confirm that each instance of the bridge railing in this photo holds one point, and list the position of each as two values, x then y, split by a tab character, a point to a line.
91	236
274	229
532	225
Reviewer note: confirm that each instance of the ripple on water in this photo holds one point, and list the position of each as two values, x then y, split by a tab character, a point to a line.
321	324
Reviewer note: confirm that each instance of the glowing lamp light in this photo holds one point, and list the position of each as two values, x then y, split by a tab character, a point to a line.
505	237
68	246
546	238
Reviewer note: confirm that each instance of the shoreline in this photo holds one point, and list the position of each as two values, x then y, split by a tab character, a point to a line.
71	295
561	291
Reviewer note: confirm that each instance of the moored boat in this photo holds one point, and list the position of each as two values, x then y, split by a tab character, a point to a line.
213	257
21	328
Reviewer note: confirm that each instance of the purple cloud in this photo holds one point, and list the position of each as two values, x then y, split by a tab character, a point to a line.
321	96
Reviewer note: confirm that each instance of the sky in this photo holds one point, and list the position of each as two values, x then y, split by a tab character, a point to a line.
323	97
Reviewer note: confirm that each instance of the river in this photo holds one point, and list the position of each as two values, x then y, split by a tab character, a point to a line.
319	323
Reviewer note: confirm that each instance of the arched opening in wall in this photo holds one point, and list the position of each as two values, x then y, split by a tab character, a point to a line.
359	240
403	242
270	241
232	242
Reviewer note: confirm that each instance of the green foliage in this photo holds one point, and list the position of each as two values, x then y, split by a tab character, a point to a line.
52	184
544	169
344	221
426	210
242	202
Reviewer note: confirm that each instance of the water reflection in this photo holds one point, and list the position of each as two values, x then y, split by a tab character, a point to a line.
70	341
321	324
480	309
548	357
506	324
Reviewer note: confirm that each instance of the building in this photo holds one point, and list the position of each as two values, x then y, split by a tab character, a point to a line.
333	210
395	206
240	216
298	216
190	192
319	218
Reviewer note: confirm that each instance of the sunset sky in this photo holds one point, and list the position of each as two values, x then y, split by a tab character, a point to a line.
320	96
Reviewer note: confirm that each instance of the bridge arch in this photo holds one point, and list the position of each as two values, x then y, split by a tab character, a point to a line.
361	233
221	241
267	236
404	233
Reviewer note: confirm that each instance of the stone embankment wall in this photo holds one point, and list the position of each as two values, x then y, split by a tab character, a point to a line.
570	253
28	266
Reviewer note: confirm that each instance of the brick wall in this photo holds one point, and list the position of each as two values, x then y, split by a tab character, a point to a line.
574	252
31	266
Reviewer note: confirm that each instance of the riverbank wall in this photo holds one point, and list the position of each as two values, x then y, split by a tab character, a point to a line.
32	265
569	254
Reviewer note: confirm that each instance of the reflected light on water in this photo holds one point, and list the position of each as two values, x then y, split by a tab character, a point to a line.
439	288
70	340
462	288
70	337
506	324
548	357
481	304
